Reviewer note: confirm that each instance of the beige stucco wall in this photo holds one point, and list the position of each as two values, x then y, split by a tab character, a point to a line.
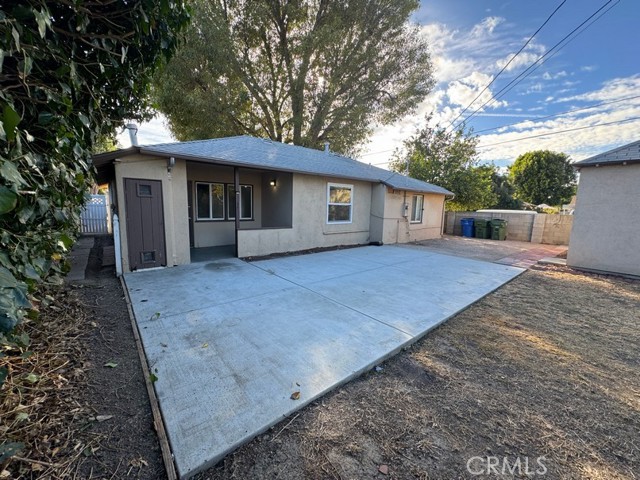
174	197
211	233
606	224
397	228
309	223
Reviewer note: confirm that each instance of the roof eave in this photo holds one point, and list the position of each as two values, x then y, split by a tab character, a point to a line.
579	165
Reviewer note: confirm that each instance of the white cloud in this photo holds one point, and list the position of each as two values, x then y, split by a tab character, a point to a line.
588	68
549	76
462	92
486	26
580	143
611	90
524	59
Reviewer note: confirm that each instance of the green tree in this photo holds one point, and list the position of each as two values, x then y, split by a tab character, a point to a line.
303	72
448	159
70	73
504	191
543	176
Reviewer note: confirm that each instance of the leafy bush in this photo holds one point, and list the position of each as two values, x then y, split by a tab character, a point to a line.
71	72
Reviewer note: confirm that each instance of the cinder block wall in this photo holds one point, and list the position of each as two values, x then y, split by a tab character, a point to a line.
536	228
557	229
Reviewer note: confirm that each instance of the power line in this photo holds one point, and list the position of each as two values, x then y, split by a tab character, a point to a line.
552	55
559	113
500	93
633	97
508	63
558	132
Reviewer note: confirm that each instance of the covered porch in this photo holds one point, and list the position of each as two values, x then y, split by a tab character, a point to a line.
223	200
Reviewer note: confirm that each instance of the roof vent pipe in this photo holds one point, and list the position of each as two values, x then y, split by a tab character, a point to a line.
133	133
326	147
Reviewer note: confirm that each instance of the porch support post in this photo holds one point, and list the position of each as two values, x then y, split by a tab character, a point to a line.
236	186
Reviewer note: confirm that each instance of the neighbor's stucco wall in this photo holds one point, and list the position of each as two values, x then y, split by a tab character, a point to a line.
397	228
309	226
606	225
211	233
174	199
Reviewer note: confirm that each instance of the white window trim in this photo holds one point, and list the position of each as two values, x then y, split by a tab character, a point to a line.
230	185
339	185
224	202
421	211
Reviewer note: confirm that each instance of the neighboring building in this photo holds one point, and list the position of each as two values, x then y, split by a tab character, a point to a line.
174	198
606	224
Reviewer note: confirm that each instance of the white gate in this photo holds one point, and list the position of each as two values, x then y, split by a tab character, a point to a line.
93	218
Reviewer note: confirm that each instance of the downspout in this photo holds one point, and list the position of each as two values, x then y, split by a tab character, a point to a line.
442	223
236	186
174	254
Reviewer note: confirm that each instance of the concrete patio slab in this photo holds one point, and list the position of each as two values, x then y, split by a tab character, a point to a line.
508	252
233	340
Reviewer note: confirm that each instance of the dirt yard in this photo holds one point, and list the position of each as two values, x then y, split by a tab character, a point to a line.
543	372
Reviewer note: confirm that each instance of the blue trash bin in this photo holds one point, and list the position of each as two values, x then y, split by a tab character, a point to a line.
467	227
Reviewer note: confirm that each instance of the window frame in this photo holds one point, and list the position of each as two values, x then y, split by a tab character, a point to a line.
210	218
414	210
226	203
229	186
329	203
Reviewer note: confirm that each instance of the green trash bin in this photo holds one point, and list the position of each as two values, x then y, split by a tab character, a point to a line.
498	229
483	229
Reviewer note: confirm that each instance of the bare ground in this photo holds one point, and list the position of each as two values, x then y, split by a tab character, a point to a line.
76	417
547	366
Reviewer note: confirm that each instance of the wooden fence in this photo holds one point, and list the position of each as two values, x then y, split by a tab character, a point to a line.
94	217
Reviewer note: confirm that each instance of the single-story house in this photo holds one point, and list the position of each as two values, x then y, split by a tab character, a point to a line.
606	223
262	197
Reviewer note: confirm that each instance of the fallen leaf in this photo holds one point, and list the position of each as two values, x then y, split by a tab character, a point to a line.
205	345
22	416
111	364
102	418
384	469
295	396
138	462
32	378
153	378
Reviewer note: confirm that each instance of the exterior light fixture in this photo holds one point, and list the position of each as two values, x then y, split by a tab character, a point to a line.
171	162
273	182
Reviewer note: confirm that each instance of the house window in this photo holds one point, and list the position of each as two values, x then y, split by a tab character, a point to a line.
246	202
339	203
417	206
210	201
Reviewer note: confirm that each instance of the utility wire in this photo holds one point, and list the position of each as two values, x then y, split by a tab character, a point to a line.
558	132
493	100
557	114
633	97
552	49
508	63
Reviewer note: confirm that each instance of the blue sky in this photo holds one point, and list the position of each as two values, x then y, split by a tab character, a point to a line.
471	40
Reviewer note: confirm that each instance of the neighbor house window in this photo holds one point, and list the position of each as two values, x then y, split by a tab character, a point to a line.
417	205
246	202
210	201
339	203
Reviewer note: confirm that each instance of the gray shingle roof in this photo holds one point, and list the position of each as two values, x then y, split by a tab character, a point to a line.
245	151
626	153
